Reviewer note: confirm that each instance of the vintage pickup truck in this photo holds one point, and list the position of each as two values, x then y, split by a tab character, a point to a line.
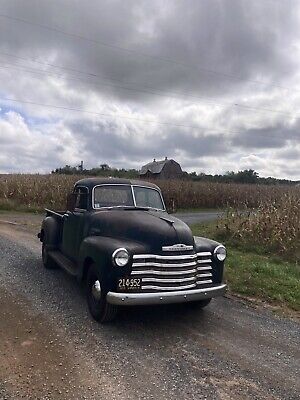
118	239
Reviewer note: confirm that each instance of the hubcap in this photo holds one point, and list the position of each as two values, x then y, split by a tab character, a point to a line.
96	290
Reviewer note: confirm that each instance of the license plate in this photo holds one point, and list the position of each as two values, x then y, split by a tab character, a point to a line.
129	283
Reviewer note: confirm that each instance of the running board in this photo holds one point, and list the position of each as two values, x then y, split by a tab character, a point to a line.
63	262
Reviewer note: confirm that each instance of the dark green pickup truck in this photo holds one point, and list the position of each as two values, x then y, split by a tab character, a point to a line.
118	239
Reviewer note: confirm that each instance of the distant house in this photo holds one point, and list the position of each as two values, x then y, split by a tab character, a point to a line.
165	169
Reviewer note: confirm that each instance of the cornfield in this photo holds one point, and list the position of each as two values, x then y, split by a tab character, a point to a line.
35	192
267	215
274	225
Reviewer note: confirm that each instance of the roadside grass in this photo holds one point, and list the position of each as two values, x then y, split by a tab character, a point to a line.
199	209
256	275
253	272
11	206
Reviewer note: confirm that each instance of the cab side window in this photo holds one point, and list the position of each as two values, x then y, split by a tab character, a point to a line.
81	202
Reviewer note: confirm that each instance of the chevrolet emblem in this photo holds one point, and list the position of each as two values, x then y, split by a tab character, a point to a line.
177	247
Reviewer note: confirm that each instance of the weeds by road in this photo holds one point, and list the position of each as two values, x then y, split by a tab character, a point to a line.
255	272
273	227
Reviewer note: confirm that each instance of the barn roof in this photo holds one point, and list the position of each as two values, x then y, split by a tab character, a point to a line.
155	167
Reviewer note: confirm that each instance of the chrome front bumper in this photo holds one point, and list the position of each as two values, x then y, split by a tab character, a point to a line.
180	296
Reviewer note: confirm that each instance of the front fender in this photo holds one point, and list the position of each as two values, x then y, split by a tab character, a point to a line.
204	244
99	250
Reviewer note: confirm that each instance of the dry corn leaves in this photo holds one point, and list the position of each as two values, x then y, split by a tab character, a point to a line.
271	214
275	224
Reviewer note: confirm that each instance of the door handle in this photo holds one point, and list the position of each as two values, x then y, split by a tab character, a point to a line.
66	216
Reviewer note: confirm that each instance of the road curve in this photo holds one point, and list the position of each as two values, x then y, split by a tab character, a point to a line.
50	348
198	217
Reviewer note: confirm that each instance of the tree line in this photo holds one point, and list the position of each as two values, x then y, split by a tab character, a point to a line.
247	176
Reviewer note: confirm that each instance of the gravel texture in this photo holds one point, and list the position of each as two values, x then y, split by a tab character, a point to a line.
198	217
30	220
50	348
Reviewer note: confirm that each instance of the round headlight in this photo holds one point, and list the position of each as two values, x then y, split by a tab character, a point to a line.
120	257
220	253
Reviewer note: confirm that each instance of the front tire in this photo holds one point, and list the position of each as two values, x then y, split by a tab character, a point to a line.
200	303
99	308
48	262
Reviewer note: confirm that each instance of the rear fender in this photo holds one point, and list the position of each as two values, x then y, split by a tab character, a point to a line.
50	232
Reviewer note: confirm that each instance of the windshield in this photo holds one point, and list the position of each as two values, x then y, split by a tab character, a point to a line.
123	196
147	197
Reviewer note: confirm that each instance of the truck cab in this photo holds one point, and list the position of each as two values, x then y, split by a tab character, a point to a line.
118	239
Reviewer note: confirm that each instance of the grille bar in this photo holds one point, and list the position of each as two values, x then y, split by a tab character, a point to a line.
163	280
173	271
181	287
153	287
204	275
204	282
171	257
156	272
206	261
156	264
207	267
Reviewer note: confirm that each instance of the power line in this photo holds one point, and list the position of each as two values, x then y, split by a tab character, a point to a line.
49	64
97	113
119	116
169	94
132	51
77	79
161	94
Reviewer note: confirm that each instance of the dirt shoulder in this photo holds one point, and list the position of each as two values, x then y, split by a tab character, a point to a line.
29	222
37	360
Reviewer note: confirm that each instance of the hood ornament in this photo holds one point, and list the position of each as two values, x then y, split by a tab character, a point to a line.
177	247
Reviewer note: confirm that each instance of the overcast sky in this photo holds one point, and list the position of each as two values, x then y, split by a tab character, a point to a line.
214	84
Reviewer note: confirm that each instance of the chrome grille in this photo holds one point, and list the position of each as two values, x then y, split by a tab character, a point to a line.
172	272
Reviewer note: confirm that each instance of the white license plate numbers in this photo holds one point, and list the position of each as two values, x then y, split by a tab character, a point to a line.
129	283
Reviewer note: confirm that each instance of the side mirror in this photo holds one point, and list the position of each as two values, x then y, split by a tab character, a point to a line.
71	201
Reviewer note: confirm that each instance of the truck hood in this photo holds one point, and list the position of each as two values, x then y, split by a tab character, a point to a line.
152	228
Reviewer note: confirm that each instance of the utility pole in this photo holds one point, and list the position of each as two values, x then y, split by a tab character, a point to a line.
80	166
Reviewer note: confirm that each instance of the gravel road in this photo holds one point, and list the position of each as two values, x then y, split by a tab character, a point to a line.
189	218
192	218
51	349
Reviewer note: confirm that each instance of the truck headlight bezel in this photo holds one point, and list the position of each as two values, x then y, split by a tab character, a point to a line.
120	257
220	253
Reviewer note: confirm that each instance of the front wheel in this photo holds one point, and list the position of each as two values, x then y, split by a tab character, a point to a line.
199	303
99	308
48	262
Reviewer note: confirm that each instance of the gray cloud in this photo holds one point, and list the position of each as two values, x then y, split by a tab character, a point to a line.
110	143
230	36
267	137
254	41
